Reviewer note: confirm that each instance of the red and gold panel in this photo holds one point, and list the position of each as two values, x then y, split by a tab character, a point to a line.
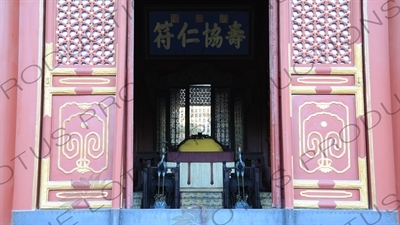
80	105
322	94
79	165
84	126
328	166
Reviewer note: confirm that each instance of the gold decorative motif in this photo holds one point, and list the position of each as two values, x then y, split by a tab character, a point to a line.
104	71
69	204
81	194
359	78
84	125
68	185
350	205
302	70
322	105
348	184
84	105
322	80
326	194
324	147
360	184
84	81
305	183
48	80
62	90
371	151
303	90
339	184
104	90
63	71
83	148
306	203
44	179
344	70
338	90
47	185
362	174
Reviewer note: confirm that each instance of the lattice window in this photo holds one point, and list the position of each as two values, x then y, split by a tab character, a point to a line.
85	32
321	32
177	115
222	116
200	110
238	122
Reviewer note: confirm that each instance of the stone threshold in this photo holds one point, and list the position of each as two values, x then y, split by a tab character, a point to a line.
204	217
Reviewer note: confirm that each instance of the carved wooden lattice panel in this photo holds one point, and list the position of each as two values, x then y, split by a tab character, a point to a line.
321	32
85	32
80	105
322	94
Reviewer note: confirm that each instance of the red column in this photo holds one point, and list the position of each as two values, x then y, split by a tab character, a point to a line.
30	76
286	125
117	188
378	81
277	170
394	55
130	165
8	98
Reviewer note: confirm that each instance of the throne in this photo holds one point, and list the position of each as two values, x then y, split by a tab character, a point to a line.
201	159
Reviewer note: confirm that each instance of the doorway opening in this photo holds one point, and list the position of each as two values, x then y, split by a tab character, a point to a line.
224	98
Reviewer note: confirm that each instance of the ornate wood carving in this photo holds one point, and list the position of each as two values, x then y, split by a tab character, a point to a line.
80	106
85	32
321	32
322	105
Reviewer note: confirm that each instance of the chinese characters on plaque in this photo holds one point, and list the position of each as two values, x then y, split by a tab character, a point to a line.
199	33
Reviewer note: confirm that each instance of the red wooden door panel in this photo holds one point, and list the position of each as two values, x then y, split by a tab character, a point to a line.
322	104
324	132
80	110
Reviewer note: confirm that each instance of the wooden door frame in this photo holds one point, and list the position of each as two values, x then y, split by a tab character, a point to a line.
275	112
129	151
277	172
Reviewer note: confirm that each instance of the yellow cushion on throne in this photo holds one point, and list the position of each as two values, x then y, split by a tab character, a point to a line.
200	145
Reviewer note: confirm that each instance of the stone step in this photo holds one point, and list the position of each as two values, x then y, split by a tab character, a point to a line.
208	200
